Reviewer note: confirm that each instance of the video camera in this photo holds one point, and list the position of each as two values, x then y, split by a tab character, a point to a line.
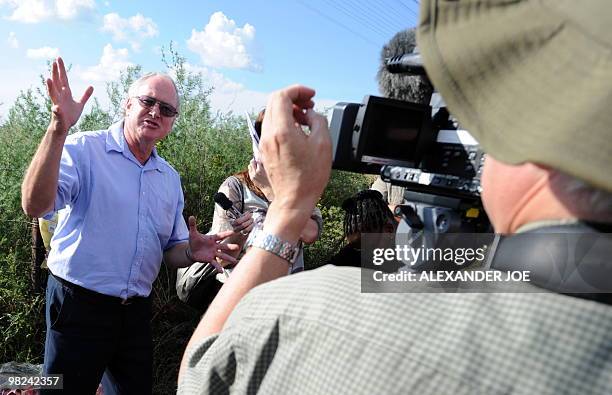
419	147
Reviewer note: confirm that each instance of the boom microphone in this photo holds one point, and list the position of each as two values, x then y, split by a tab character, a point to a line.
410	63
226	204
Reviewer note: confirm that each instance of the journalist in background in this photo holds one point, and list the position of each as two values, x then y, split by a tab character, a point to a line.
532	81
121	212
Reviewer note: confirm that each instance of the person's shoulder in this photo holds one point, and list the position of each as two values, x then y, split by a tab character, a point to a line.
232	185
231	181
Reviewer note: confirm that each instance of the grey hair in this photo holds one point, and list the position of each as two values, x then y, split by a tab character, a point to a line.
588	201
416	89
133	89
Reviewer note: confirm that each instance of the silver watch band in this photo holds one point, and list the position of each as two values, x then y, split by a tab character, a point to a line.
272	243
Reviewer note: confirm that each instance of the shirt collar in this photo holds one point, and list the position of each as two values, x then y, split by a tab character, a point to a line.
115	141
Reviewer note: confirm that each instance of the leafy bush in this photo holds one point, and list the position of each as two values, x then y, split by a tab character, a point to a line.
331	240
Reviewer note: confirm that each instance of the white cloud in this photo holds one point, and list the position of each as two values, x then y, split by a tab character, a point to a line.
21	78
215	79
112	63
223	44
229	95
34	11
69	9
42	53
12	40
132	30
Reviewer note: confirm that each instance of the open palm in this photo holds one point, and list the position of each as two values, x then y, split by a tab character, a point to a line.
66	111
206	248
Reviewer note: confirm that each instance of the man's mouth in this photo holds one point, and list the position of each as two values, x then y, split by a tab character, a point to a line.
150	123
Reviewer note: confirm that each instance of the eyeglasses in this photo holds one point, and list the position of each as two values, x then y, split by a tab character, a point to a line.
165	109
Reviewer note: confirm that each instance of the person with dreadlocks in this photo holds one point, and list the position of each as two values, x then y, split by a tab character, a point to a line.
366	212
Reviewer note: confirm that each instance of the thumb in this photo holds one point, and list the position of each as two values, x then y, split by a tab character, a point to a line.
55	109
192	224
86	95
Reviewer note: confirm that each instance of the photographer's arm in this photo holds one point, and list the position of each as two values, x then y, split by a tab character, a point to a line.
299	168
39	186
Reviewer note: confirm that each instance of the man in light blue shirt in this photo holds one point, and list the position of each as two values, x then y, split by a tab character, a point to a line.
121	214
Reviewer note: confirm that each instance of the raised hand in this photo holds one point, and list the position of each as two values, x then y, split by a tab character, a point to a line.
298	165
206	248
65	110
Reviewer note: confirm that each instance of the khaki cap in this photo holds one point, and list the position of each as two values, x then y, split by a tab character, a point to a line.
530	79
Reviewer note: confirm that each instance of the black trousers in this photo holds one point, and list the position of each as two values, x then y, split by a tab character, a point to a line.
88	333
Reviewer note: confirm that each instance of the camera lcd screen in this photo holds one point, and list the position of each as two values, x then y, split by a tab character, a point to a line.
392	131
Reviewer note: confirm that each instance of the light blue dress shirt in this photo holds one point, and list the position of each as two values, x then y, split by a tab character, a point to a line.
117	216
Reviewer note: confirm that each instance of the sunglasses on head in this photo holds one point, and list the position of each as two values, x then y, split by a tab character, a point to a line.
165	109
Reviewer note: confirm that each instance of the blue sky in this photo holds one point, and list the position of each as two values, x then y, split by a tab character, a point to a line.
245	49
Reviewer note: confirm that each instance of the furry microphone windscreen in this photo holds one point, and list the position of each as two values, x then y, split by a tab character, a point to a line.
415	89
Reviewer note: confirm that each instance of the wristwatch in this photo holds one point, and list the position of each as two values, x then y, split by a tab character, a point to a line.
271	243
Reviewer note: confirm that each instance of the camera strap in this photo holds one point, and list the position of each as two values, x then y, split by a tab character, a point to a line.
573	259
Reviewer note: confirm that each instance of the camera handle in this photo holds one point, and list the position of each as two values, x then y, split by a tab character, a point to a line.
409	215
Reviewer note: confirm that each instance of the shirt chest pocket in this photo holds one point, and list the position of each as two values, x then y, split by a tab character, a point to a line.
161	214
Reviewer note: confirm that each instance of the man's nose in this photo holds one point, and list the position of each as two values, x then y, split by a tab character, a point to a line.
154	110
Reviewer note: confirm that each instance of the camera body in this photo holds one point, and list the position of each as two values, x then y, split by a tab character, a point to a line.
419	147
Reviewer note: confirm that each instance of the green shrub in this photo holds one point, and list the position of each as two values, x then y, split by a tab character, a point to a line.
331	240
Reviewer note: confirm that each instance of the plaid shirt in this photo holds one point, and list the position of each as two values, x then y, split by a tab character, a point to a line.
316	333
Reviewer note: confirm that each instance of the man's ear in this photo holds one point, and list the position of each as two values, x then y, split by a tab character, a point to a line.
128	104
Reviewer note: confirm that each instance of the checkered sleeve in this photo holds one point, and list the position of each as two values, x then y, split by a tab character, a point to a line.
211	367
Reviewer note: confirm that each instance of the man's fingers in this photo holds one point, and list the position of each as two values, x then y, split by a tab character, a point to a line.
300	95
228	247
281	106
317	123
63	77
223	235
217	265
55	76
51	90
86	95
226	257
319	134
299	115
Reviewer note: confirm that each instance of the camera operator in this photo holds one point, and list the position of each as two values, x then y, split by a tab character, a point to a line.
525	77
